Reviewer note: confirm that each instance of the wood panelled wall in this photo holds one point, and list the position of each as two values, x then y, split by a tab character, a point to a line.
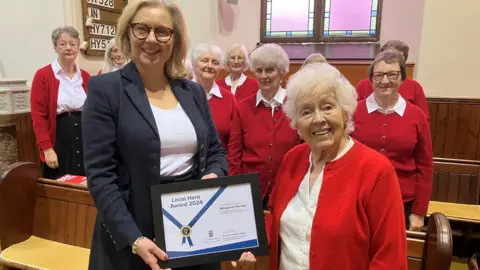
455	127
27	148
353	71
64	213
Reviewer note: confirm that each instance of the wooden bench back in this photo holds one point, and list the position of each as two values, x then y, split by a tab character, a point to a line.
64	213
17	202
455	182
431	250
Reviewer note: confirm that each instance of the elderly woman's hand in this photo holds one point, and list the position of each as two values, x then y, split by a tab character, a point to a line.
247	261
416	222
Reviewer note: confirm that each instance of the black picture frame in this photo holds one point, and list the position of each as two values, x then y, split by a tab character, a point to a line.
156	194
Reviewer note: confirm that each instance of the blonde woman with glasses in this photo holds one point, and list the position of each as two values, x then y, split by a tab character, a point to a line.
145	125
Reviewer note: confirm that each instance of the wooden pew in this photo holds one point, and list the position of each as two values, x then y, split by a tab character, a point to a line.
33	228
456	181
59	215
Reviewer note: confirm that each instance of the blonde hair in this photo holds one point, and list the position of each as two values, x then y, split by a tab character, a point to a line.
107	61
174	67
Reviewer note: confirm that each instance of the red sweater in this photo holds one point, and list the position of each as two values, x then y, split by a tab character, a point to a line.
43	101
259	141
405	141
222	113
359	222
410	90
248	88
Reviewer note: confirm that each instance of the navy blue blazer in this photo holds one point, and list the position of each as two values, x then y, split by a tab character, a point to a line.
122	159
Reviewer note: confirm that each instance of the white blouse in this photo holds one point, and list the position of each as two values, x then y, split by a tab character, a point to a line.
178	140
71	94
241	80
296	221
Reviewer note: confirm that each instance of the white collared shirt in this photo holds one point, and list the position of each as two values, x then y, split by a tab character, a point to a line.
215	91
296	221
241	80
276	101
399	108
71	94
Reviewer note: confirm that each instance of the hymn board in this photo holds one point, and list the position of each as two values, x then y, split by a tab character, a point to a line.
104	15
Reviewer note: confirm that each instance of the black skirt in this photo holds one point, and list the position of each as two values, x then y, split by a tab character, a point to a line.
68	147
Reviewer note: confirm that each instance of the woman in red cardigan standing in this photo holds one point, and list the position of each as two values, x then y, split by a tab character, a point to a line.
410	89
399	130
237	63
337	203
57	96
260	134
206	61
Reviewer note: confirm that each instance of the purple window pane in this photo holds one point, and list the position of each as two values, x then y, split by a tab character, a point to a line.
350	14
288	15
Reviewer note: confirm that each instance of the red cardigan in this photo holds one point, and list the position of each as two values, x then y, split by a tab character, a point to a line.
359	222
259	141
222	113
43	101
410	90
406	142
248	88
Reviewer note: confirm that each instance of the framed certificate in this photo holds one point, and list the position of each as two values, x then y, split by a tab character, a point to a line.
212	220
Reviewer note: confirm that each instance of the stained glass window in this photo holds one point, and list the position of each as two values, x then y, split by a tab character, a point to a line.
350	17
290	19
287	18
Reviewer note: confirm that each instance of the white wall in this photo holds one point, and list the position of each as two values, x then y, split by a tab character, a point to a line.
25	31
449	50
225	24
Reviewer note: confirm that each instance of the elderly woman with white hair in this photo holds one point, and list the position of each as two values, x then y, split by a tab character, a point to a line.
260	134
334	197
114	59
237	63
206	61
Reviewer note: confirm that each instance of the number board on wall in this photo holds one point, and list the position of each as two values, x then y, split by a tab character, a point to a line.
104	15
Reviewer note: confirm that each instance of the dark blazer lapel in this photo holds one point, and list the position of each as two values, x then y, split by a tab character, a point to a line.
134	88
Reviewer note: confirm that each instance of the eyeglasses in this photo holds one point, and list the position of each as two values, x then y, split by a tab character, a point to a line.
65	45
141	31
391	75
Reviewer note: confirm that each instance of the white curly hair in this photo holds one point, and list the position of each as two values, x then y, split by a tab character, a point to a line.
321	77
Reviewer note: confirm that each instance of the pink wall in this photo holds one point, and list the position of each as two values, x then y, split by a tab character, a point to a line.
403	20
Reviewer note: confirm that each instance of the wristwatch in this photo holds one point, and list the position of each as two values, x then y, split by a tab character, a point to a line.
135	244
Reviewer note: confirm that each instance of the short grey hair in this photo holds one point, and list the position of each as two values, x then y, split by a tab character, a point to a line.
69	30
271	55
244	52
321	77
396	45
204	48
314	58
